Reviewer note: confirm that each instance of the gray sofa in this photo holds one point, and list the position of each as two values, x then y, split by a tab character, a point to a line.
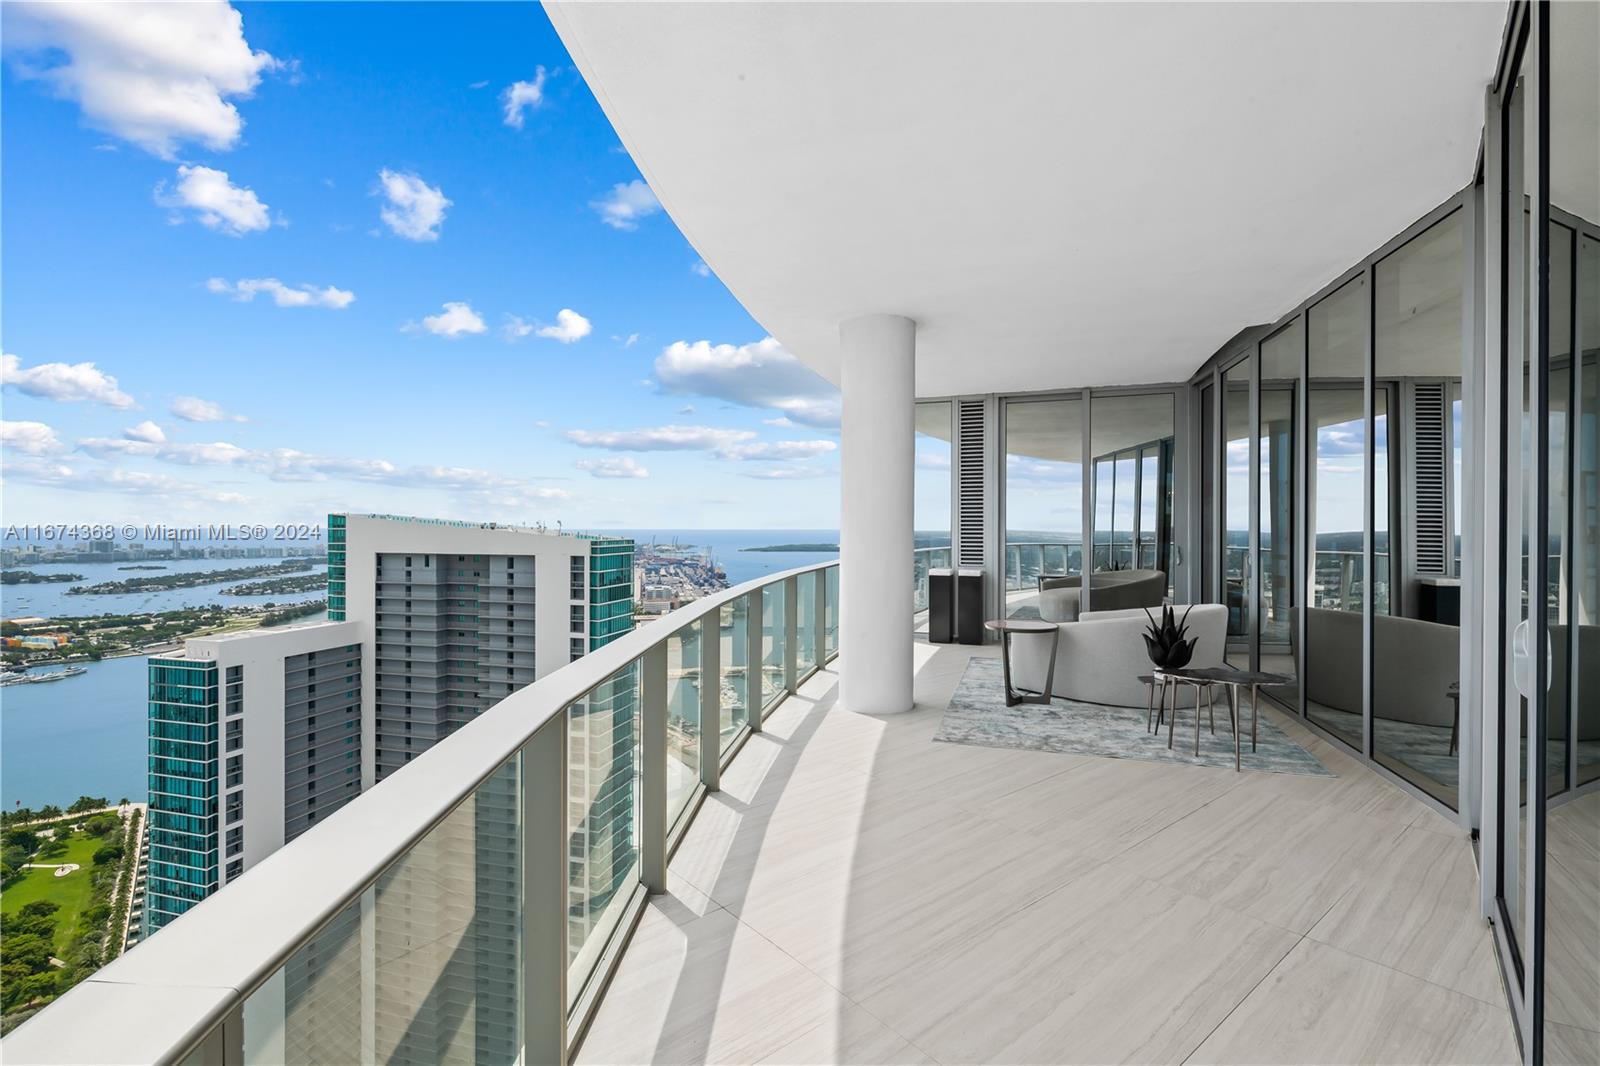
1061	598
1101	655
1415	665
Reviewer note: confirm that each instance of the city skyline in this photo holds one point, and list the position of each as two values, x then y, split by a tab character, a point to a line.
335	266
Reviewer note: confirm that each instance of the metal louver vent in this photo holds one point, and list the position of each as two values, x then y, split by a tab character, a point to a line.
1433	549
969	482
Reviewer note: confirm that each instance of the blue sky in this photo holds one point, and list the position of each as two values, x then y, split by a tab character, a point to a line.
324	251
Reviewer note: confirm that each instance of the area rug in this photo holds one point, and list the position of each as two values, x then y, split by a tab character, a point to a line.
978	715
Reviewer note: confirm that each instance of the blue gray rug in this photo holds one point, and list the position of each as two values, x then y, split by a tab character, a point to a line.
978	715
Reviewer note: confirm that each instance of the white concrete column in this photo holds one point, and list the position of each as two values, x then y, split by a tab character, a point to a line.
877	381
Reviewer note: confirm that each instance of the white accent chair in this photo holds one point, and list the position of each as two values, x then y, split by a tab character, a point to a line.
1102	655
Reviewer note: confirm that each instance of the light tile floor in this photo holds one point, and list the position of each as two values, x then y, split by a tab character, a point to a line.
859	893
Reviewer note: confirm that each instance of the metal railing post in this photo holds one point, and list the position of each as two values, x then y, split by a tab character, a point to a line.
754	623
653	776
544	895
711	701
791	634
819	622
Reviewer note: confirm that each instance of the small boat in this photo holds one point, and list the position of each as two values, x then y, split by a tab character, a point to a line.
20	677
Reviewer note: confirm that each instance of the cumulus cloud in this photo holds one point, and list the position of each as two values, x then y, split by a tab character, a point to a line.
146	431
414	210
30	438
216	453
620	467
154	74
63	382
521	97
699	268
516	327
570	326
790	473
60	475
194	409
762	374
217	202
457	318
245	290
627	203
779	449
660	439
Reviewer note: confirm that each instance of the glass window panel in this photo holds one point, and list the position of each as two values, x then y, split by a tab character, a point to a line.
683	718
830	611
1416	635
805	622
1332	668
1276	441
1105	495
1123	510
1044	495
774	643
1236	509
735	617
1150	490
1584	556
603	767
932	494
1130	434
446	916
1208	493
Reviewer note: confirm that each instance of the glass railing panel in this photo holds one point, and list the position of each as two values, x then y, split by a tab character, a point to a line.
683	719
805	622
774	642
423	967
831	605
735	651
603	788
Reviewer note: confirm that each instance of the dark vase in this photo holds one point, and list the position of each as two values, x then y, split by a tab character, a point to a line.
1168	641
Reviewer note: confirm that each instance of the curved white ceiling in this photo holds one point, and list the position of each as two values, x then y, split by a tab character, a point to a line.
1060	195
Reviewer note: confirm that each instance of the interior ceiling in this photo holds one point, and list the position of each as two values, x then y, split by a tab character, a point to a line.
1060	195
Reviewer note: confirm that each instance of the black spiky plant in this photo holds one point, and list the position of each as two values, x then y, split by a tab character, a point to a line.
1165	640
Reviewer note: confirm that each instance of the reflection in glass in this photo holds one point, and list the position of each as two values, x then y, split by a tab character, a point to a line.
774	642
1236	510
931	500
1132	446
830	613
1044	495
603	767
1572	817
683	718
805	623
735	617
1208	494
1336	354
1417	348
1275	443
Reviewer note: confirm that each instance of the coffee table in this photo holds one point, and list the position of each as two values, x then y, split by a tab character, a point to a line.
1234	679
1006	627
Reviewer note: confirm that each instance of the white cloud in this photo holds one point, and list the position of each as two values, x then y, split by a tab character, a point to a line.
30	438
763	374
620	467
521	97
194	409
699	268
415	210
245	289
154	74
457	319
54	474
660	439
790	473
64	382
216	453
516	327
628	203
570	326
779	449
146	431
216	201
686	409
781	422
627	342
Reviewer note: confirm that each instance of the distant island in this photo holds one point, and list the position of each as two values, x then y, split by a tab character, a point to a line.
278	586
794	548
33	577
142	566
189	579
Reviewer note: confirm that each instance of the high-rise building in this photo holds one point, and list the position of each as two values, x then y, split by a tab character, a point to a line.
253	737
256	736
